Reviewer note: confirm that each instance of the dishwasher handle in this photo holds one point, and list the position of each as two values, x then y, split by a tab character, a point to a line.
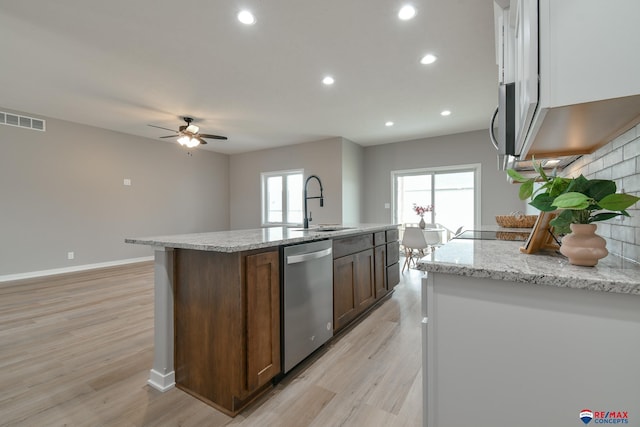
293	259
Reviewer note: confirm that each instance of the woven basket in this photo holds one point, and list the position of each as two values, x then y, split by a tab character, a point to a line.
516	221
512	235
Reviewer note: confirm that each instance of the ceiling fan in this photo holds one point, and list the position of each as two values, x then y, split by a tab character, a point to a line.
189	135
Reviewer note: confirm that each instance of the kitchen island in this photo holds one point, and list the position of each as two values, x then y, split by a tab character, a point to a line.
218	303
528	340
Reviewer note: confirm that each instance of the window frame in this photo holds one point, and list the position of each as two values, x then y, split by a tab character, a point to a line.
476	168
264	176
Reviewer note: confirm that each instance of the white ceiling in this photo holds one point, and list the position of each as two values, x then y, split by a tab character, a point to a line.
123	64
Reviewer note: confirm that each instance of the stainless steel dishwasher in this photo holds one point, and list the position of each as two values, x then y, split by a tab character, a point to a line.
307	300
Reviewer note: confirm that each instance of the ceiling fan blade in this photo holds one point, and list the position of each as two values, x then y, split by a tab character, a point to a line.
182	128
160	127
204	135
202	141
169	136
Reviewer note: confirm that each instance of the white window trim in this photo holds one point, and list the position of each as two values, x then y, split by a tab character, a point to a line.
477	169
263	189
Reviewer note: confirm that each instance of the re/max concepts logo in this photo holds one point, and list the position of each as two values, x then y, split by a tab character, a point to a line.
604	417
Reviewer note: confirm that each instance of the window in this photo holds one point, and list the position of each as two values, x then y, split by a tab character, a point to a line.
454	193
282	198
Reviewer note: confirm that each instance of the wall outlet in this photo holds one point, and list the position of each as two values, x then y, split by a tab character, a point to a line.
127	182
387	205
71	255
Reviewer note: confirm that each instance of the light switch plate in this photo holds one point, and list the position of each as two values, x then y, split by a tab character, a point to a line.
127	182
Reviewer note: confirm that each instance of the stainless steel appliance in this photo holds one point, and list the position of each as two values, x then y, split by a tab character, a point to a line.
506	114
307	300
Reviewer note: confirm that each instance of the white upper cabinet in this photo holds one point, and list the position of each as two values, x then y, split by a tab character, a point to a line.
576	69
526	66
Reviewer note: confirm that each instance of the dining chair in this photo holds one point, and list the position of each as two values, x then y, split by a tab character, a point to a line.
414	245
433	238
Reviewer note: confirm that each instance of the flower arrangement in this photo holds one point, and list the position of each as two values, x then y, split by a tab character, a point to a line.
421	210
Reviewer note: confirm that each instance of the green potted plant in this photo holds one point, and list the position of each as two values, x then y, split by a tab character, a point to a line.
581	202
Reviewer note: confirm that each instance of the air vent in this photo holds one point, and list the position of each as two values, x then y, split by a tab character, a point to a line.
22	121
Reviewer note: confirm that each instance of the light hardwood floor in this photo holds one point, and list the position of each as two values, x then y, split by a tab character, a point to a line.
76	349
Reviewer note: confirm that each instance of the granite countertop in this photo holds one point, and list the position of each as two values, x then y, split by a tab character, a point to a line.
243	240
502	260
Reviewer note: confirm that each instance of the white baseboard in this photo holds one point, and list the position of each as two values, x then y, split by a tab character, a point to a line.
33	274
161	382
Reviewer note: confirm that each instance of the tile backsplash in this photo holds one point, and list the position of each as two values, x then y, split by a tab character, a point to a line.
619	160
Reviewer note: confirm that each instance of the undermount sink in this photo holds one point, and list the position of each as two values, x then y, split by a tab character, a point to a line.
324	228
330	228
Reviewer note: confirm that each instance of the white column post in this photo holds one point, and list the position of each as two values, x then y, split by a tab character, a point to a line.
162	375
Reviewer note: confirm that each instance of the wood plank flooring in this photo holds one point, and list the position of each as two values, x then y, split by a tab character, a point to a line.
76	349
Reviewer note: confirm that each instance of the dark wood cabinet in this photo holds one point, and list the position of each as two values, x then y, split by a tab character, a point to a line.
393	266
387	255
263	318
358	270
227	325
365	282
345	307
353	286
380	266
393	258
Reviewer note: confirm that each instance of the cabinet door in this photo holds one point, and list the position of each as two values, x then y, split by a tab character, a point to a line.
263	318
526	67
344	297
380	260
365	280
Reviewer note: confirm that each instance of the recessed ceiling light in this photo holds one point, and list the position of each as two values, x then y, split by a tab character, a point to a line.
445	113
388	124
328	80
246	17
407	12
428	59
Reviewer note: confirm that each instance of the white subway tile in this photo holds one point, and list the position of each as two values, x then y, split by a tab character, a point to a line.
623	139
626	168
631	251
623	233
631	184
632	149
595	166
612	158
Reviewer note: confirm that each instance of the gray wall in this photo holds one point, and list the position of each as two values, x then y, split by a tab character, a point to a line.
619	160
322	158
352	181
498	196
62	190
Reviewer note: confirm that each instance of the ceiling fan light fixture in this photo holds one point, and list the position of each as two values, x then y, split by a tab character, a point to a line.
184	140
192	129
193	143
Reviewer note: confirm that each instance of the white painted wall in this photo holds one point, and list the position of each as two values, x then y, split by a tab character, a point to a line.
352	181
498	196
322	158
62	190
